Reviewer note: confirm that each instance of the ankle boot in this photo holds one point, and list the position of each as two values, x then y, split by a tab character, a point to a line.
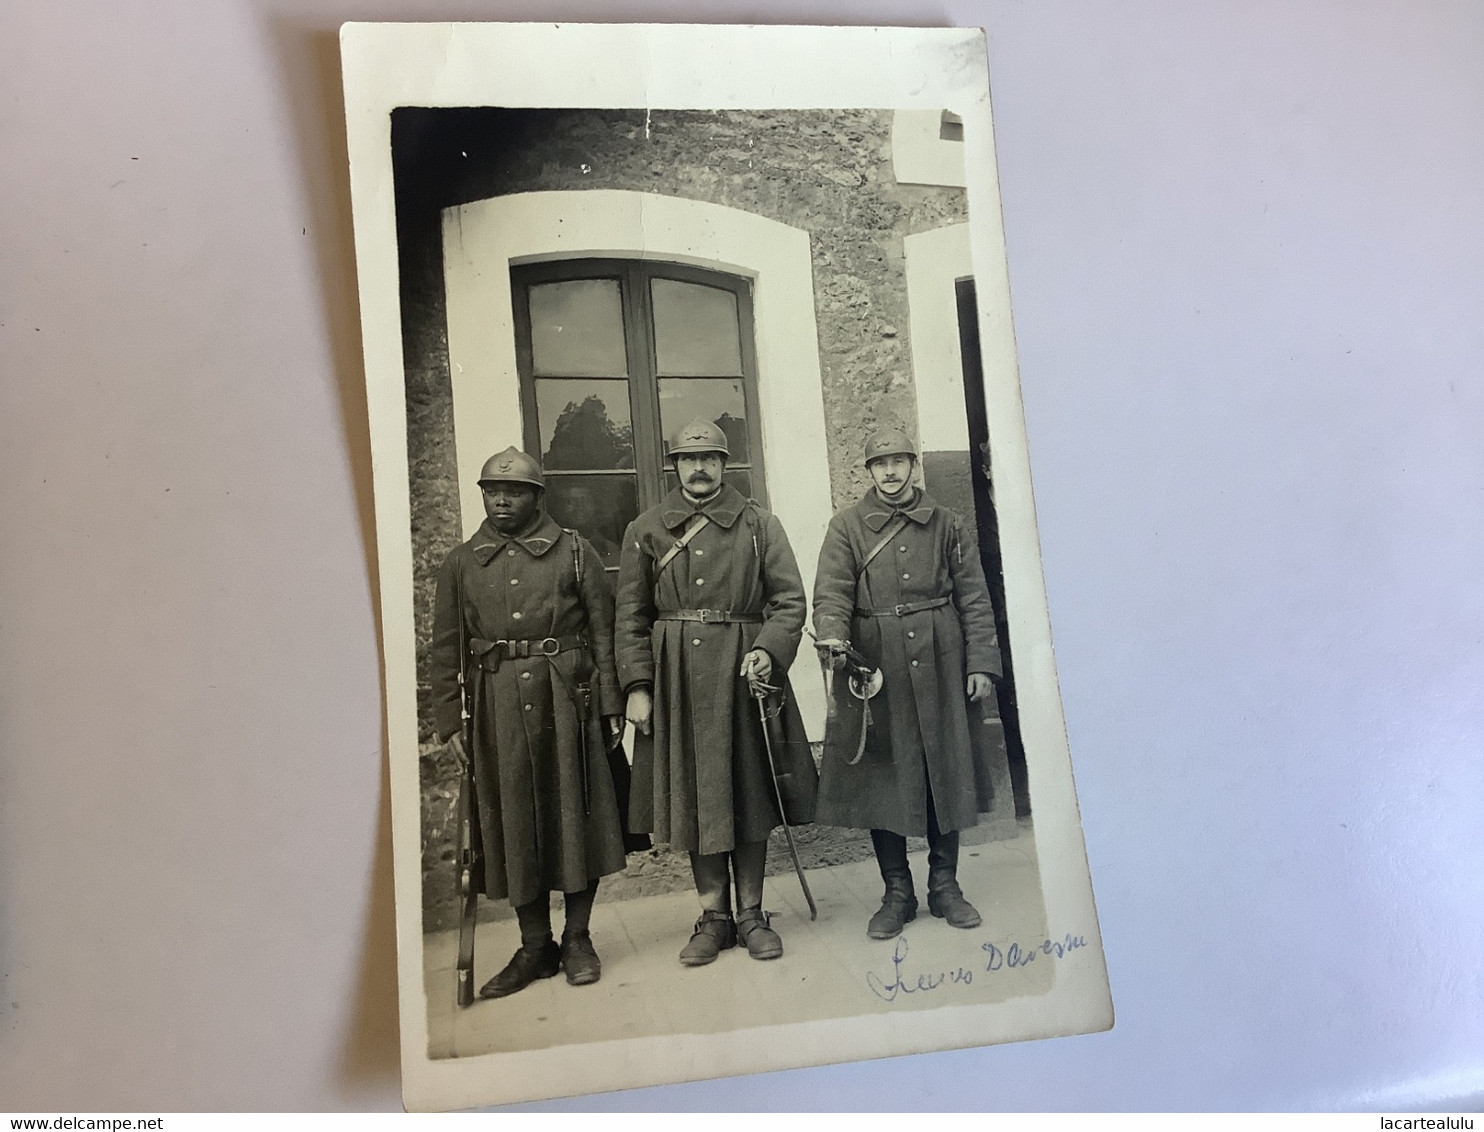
945	898
755	932
899	903
898	908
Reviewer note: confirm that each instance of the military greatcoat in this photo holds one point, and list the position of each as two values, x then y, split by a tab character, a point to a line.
701	781
923	734
548	821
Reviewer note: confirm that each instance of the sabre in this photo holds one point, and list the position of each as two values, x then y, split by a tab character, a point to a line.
863	679
760	693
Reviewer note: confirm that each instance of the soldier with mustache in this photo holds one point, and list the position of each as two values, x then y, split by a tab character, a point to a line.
709	599
900	580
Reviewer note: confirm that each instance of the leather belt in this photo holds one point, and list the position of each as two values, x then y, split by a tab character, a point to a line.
504	649
904	609
710	616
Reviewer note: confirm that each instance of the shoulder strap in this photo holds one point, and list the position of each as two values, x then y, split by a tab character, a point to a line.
680	544
893	529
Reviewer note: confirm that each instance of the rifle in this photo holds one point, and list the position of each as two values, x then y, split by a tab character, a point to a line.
468	856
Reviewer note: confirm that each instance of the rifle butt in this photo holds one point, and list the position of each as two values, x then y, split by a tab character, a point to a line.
468	895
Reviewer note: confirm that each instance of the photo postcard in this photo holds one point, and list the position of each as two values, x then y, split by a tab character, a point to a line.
724	729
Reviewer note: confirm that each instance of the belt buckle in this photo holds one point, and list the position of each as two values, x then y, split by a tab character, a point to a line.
713	616
550	646
900	609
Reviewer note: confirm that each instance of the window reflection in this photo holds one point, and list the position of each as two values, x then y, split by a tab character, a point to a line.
577	328
695	329
584	424
600	507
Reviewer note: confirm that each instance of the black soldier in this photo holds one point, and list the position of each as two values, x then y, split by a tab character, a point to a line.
534	609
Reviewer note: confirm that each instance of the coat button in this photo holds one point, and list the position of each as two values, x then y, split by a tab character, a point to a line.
911	636
528	706
700	581
511	552
517	615
515	581
695	640
699	553
525	675
903	549
914	665
904	577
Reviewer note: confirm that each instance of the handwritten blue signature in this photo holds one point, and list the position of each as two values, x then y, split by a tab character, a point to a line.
1014	956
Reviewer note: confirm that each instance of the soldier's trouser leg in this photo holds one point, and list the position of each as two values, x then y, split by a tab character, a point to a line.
579	957
713	881
753	927
899	902
945	898
580	909
535	921
748	861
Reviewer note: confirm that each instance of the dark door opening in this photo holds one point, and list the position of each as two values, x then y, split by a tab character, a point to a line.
989	530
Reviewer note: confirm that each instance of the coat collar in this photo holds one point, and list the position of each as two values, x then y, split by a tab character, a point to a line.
722	510
877	514
536	539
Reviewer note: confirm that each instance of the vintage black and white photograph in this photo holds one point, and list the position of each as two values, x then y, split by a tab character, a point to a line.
719	684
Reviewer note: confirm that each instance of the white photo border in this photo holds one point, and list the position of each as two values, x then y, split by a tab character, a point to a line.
703	67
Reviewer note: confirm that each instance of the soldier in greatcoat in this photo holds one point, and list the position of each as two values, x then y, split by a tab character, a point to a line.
537	625
709	598
900	581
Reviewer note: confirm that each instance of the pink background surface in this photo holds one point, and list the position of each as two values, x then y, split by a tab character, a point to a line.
1247	262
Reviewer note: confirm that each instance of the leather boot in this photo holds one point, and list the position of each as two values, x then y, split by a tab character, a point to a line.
715	932
754	928
526	966
899	904
580	959
945	898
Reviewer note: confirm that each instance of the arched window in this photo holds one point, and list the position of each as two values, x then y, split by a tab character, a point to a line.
613	356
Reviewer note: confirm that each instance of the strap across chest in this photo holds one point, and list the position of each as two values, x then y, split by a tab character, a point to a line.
681	543
893	529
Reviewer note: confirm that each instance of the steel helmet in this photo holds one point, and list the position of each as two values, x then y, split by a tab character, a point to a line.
512	466
889	442
699	436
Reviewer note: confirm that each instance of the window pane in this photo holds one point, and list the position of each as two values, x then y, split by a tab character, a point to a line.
584	424
577	328
740	478
684	399
695	329
598	506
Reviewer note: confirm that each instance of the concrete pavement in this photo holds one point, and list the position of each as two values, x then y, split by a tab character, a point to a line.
829	968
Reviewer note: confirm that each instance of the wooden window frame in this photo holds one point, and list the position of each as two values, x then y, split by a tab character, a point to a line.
634	277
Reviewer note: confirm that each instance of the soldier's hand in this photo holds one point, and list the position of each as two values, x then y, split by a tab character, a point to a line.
831	653
757	666
456	745
980	686
614	725
640	710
